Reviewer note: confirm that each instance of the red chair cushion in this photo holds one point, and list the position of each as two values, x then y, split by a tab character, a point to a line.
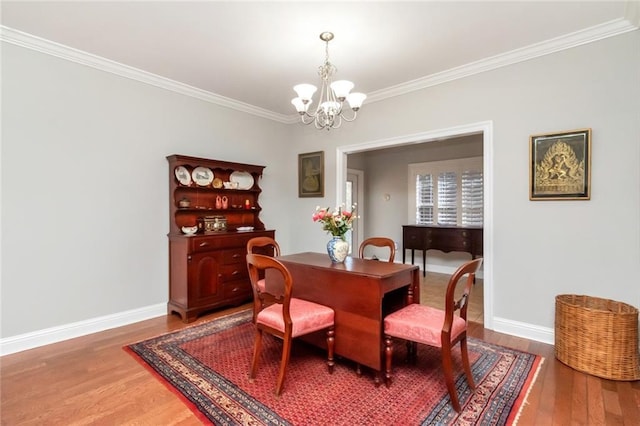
261	285
422	324
306	317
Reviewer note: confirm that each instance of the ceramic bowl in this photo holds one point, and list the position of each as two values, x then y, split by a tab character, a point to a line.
189	230
231	185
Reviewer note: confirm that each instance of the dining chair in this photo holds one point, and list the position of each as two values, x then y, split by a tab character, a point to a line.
284	316
265	246
378	242
417	323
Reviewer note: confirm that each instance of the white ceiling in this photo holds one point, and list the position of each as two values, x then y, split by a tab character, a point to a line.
254	52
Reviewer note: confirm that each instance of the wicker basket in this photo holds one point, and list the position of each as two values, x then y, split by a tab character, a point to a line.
597	336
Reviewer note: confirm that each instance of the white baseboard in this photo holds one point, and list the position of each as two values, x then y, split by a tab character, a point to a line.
522	329
447	270
47	336
51	335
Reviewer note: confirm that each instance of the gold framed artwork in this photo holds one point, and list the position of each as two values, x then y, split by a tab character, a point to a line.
311	174
560	166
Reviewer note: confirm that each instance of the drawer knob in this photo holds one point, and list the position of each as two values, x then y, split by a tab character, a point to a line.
204	244
236	272
464	233
235	256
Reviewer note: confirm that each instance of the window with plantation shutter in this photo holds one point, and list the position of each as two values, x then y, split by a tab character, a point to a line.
424	199
447	198
447	192
472	198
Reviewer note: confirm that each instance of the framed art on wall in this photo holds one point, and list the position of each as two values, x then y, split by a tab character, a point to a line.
311	174
560	166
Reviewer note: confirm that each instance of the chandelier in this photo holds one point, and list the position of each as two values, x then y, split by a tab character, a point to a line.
329	111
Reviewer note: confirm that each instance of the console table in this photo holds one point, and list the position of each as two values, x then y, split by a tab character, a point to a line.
444	238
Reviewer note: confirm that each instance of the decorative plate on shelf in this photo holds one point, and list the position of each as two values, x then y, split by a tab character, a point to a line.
202	176
217	183
244	179
183	175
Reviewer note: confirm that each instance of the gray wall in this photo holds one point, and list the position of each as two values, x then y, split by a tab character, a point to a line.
85	185
84	189
541	248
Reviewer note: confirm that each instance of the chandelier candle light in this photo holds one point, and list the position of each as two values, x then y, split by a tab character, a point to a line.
329	111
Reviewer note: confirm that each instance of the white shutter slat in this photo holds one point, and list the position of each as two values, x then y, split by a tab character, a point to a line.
424	199
472	198
447	198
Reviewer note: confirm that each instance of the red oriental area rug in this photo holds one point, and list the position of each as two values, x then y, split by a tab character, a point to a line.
208	365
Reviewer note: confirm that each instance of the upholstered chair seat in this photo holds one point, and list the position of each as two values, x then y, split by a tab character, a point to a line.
284	316
306	317
436	327
421	324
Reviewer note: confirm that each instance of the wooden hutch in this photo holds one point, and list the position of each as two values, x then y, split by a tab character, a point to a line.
208	270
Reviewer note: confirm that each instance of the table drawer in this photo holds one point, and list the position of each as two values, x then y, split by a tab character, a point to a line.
240	288
448	239
413	238
229	273
232	256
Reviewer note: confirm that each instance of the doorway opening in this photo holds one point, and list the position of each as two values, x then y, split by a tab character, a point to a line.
483	128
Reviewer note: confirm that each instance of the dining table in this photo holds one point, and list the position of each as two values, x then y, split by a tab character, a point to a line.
360	291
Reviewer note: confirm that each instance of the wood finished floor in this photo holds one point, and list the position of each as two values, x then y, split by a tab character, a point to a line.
91	380
434	286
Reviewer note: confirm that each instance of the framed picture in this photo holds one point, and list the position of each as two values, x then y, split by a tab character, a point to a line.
560	166
311	174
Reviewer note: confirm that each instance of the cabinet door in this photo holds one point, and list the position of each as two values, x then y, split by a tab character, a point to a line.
205	284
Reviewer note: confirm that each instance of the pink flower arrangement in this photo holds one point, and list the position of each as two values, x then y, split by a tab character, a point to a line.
336	222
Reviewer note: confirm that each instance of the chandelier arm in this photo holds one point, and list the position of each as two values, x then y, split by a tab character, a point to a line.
345	118
312	118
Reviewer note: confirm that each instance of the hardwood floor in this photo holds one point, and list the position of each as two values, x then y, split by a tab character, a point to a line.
92	380
434	286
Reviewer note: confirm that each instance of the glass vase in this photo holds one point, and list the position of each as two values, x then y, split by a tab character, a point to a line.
338	249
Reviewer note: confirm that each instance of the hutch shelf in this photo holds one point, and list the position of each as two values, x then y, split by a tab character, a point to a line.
207	270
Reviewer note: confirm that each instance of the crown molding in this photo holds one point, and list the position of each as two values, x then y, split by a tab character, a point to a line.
32	42
589	35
